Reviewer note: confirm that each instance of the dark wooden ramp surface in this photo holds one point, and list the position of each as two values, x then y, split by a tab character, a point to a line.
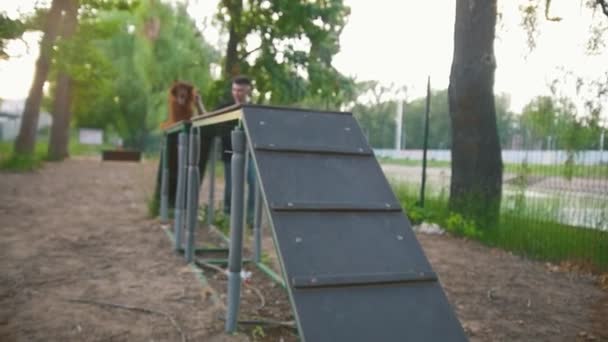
354	268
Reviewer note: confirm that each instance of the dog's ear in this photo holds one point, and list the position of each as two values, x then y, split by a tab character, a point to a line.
174	90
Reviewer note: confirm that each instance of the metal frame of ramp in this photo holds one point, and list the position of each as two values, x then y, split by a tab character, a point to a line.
352	265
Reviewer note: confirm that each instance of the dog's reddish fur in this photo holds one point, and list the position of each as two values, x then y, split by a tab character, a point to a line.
181	101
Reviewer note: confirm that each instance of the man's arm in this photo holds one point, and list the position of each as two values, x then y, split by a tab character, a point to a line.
200	107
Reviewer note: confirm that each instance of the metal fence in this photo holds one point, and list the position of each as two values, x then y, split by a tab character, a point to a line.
554	204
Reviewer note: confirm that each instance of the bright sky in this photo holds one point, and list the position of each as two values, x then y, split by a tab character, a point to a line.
402	42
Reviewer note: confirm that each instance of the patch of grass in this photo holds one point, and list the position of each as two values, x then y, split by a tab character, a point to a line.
265	258
153	204
20	163
552	241
222	221
77	149
258	333
528	236
435	207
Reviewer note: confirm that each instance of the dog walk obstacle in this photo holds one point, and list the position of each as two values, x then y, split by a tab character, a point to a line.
351	264
178	176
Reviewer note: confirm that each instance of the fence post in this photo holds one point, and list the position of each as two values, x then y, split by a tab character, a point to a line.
192	193
236	228
257	222
164	182
182	166
211	204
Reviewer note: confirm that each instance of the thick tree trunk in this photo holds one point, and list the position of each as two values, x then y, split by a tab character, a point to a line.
231	63
476	184
62	112
60	130
29	121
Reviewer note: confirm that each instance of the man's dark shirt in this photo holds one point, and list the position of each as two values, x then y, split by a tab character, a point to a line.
226	139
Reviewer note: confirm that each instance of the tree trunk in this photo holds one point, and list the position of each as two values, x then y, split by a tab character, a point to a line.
62	112
231	63
60	129
29	121
476	184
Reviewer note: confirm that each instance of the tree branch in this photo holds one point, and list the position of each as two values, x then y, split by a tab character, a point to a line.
247	53
604	5
547	7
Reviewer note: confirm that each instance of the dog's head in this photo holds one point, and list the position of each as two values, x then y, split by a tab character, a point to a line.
182	92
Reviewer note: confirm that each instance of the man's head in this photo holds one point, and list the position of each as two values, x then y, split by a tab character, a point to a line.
241	89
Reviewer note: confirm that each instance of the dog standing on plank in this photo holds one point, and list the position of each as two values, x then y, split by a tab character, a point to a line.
183	96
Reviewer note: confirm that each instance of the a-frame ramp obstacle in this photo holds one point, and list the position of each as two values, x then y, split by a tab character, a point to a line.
353	267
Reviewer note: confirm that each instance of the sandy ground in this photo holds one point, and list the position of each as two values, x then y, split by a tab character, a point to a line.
81	261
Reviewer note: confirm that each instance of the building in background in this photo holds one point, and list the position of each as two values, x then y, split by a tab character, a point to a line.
10	119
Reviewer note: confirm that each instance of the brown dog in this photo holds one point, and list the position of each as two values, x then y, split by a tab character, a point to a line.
182	97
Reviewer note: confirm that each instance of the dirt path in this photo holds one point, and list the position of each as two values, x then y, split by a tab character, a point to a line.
502	297
78	230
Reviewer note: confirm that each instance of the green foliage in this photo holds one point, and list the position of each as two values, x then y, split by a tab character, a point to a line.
456	224
549	240
265	258
123	59
21	163
377	120
297	41
258	333
434	209
543	239
9	29
552	123
153	205
18	163
222	221
440	135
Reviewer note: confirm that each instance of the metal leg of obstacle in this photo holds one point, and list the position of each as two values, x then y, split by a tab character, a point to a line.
192	193
164	183
180	196
236	228
259	208
257	223
213	158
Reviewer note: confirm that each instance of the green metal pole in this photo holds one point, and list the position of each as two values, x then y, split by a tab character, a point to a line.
211	204
164	183
237	215
192	192
180	195
426	140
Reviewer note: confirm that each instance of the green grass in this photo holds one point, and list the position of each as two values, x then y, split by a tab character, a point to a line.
21	163
552	241
528	236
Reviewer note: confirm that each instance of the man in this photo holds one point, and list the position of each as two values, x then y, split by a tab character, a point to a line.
240	92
